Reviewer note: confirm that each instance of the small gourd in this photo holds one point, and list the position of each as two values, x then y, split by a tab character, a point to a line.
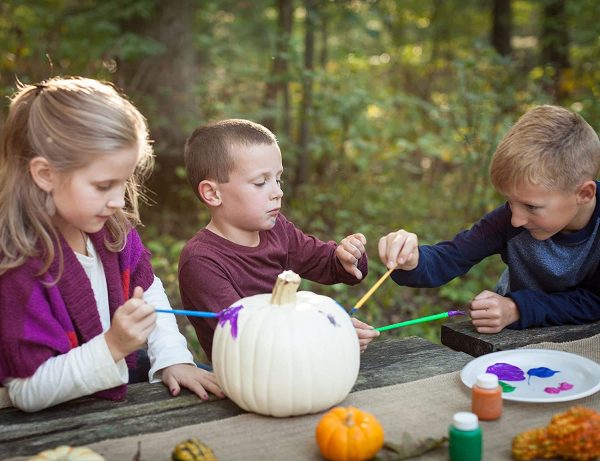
571	435
349	434
192	450
67	453
287	353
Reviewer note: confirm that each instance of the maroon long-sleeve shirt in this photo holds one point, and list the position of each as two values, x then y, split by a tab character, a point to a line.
214	272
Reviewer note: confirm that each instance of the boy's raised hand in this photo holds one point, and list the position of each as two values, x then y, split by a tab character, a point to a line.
130	326
349	252
491	312
195	379
399	250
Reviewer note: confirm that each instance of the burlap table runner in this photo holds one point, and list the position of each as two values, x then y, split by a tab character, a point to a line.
423	408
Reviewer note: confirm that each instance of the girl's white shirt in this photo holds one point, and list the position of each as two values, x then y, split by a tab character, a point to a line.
90	368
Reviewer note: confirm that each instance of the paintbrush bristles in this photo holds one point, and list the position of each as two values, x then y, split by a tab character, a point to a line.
368	294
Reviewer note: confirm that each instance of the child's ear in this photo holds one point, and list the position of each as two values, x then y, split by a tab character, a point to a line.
209	192
586	193
42	173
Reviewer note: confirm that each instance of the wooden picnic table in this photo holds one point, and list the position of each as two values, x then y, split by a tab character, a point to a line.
149	408
462	336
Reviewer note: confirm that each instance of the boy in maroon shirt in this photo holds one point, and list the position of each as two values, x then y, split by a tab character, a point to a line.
235	167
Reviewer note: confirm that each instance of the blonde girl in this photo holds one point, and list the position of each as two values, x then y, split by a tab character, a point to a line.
77	289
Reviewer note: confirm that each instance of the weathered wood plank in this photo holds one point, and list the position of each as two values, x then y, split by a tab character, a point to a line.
149	407
461	336
393	361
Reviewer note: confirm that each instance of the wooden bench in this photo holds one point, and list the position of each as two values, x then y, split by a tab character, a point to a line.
461	336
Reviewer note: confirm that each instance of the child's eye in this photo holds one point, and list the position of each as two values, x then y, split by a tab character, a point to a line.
532	207
103	187
260	184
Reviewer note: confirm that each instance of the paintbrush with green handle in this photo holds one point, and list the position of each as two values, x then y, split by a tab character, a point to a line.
427	318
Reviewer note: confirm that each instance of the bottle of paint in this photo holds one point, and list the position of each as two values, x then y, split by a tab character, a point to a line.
465	439
486	397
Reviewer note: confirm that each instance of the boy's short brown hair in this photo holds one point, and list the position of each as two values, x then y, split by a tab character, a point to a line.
549	146
207	153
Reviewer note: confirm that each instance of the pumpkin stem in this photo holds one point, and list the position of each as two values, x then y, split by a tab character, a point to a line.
349	420
284	291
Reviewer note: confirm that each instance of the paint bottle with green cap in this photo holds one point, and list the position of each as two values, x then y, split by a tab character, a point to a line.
465	438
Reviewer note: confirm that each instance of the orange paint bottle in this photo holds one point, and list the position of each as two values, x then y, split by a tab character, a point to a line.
486	397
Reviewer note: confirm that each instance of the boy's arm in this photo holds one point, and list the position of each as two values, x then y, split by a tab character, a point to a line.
315	260
204	286
573	307
444	261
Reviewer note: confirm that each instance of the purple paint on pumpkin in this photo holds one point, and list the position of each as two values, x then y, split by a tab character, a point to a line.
506	372
330	317
230	315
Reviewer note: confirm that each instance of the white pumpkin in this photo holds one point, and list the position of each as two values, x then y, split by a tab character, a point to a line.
292	354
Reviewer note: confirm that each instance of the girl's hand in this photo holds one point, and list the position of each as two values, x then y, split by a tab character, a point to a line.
130	326
349	251
399	250
194	378
490	312
365	333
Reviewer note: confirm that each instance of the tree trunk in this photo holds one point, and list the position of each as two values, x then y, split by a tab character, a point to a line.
501	27
277	86
163	86
555	44
303	165
324	52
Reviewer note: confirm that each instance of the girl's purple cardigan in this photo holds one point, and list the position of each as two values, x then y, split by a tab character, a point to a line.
39	319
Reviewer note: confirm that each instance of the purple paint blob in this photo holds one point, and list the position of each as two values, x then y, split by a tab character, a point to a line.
230	315
455	313
506	372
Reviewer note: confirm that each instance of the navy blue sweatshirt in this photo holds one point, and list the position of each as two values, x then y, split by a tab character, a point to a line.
553	282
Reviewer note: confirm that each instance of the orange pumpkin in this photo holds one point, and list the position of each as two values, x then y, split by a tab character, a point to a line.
349	434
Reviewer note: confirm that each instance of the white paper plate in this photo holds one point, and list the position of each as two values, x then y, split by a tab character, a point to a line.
548	376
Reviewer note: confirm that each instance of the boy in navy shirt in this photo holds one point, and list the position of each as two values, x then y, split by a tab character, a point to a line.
547	232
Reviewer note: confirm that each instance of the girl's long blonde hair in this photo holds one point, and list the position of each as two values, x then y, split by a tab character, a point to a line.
69	122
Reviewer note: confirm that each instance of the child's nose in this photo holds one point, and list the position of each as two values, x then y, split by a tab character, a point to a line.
277	191
117	202
518	220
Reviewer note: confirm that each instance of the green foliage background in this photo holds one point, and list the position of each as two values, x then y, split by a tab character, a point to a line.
409	103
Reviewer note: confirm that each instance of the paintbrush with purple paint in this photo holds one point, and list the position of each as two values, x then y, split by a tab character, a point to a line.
229	314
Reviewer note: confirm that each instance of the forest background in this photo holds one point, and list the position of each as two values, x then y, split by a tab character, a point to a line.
387	111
